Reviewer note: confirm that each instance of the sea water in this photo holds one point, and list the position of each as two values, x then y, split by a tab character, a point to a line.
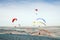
25	37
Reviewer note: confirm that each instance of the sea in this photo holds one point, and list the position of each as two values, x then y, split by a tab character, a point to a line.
7	36
25	37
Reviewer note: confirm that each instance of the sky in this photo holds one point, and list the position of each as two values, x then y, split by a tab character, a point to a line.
24	11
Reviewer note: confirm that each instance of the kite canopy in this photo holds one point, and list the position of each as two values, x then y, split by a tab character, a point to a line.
36	9
14	19
39	22
41	19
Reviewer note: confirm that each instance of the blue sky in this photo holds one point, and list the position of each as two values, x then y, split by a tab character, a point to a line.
24	11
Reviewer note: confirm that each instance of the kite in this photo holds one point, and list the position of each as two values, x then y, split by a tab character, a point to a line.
41	19
14	19
36	11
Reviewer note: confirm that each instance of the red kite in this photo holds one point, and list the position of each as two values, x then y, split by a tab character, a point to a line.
14	19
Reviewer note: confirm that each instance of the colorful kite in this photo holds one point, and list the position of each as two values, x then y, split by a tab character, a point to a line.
41	19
